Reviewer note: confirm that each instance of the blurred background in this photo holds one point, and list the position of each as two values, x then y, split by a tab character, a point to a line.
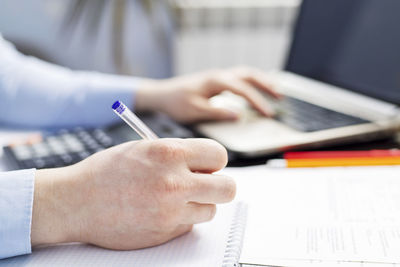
223	33
179	36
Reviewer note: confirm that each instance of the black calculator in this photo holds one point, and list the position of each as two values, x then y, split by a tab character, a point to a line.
68	146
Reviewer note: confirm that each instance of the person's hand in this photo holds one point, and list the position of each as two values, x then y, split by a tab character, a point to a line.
185	98
134	195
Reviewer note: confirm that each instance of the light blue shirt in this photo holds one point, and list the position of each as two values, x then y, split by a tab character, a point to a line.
34	93
16	200
38	94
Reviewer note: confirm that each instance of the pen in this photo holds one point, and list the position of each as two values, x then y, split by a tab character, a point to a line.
343	154
337	159
133	121
339	162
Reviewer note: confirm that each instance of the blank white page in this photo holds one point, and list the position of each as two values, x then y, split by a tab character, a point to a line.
203	246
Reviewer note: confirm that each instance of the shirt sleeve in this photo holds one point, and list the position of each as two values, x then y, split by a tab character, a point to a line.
34	93
16	200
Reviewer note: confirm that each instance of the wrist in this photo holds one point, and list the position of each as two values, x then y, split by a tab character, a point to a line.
53	210
149	94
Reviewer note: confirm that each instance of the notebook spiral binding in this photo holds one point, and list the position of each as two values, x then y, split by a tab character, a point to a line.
235	236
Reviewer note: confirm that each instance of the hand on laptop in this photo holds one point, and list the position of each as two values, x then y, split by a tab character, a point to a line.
134	195
186	98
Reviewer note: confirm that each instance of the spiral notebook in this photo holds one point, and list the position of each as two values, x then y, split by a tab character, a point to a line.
215	243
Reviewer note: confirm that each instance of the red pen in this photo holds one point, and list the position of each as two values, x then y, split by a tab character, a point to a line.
343	154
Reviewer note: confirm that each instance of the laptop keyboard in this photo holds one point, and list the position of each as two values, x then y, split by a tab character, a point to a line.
307	117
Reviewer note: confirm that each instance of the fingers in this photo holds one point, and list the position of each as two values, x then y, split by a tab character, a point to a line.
198	155
253	96
258	79
197	213
205	155
211	189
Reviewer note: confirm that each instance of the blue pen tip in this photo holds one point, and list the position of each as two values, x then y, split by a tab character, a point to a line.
116	105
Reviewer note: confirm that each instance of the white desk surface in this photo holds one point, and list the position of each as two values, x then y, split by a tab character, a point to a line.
9	135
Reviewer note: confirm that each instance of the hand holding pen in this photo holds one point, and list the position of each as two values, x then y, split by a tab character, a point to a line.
134	195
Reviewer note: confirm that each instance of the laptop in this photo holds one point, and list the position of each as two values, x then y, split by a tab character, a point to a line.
341	82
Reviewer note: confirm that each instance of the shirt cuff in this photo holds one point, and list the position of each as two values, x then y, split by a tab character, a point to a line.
16	202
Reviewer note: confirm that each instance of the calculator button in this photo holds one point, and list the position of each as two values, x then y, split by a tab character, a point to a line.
39	163
50	162
73	143
41	150
56	145
67	159
106	141
92	143
27	164
99	149
96	148
87	139
84	154
22	152
75	157
83	134
56	162
99	133
102	138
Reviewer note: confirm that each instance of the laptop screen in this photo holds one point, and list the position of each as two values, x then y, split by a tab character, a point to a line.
352	44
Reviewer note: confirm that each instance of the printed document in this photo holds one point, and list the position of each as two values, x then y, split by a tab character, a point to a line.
321	214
